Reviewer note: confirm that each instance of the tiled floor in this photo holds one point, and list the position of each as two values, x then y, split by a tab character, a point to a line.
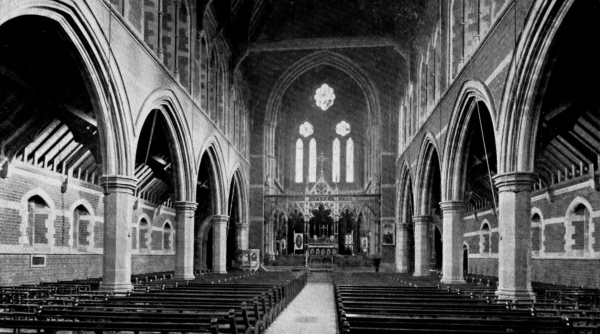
312	312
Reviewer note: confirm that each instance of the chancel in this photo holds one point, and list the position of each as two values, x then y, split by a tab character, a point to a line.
283	166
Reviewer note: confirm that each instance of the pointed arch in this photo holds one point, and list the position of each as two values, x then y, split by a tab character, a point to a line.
404	194
167	104
349	160
427	154
519	114
212	150
299	168
312	160
335	161
455	146
100	71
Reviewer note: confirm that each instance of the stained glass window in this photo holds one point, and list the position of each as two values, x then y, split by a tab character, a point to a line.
324	97
335	168
299	156
350	160
342	128
306	129
312	161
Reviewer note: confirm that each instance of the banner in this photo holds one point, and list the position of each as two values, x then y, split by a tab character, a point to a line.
298	241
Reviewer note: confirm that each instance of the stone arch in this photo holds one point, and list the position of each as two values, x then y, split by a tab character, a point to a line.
429	151
241	183
454	156
167	104
100	71
519	114
213	150
405	188
575	203
81	202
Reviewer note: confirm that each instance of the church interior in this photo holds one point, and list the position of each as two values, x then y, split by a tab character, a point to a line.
218	166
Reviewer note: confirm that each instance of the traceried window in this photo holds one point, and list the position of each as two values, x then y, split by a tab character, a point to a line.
306	129
335	166
324	97
299	160
312	161
342	128
349	160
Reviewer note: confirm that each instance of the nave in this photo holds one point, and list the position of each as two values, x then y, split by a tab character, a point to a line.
296	302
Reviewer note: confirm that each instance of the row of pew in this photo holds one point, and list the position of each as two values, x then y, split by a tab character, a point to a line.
382	303
232	303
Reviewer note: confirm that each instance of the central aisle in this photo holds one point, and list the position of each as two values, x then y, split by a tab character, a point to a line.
313	311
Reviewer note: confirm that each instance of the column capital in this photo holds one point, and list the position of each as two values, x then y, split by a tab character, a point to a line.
452	206
514	181
183	205
422	219
220	219
118	184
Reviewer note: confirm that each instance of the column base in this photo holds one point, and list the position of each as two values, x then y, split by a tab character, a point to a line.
415	274
515	294
219	272
115	287
452	280
186	277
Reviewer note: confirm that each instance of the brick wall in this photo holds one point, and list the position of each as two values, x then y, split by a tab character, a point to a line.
16	270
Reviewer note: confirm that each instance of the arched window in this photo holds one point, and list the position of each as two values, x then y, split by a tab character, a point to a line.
212	86
580	219
485	241
335	170
167	237
182	60
312	161
39	212
299	160
536	233
81	227
144	231
349	160
204	88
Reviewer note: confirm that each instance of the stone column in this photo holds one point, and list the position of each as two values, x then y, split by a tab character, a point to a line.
401	248
514	274
118	212
422	245
220	244
452	240
184	260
